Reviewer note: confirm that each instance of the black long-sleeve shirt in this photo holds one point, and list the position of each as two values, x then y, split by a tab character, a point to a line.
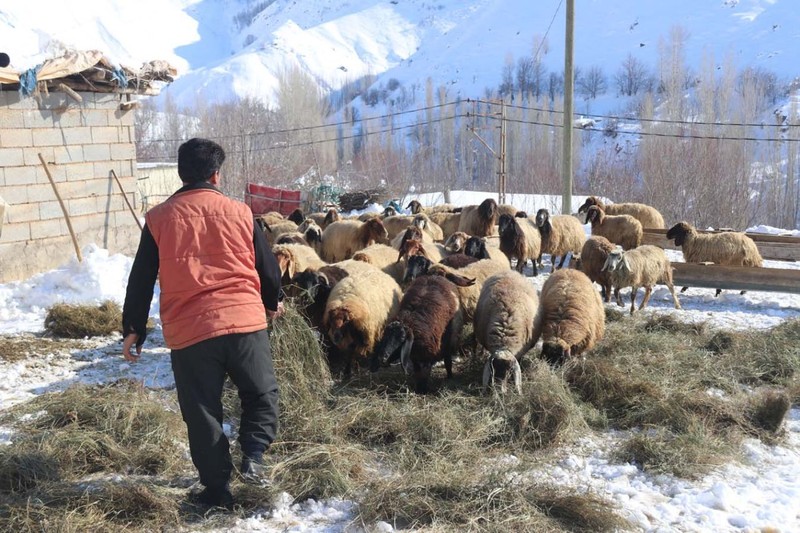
144	273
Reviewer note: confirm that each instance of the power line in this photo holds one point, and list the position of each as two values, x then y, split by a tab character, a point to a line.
644	133
653	120
544	39
309	128
283	146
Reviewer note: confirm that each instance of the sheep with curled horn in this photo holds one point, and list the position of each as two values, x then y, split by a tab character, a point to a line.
729	248
520	239
647	215
619	229
426	329
357	310
571	317
644	266
479	220
561	235
340	240
503	323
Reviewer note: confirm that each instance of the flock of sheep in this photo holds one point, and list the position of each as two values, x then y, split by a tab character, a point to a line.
386	287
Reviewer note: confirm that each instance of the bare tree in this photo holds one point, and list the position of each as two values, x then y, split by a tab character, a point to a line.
631	77
507	78
525	73
592	84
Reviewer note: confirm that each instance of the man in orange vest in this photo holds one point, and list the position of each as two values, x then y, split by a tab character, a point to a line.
219	284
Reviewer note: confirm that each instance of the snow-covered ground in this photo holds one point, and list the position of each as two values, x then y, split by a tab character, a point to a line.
760	493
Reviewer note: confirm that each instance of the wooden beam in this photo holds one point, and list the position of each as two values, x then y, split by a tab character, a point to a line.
774	247
736	278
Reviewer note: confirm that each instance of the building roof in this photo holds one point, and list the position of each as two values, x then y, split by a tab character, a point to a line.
88	71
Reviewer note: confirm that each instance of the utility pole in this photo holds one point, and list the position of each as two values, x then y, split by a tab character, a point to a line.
501	156
566	167
501	173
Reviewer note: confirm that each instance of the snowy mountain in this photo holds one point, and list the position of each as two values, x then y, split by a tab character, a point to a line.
227	49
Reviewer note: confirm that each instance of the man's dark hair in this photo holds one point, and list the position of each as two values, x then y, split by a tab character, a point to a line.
198	159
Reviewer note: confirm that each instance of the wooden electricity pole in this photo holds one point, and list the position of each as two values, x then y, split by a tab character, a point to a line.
566	197
499	154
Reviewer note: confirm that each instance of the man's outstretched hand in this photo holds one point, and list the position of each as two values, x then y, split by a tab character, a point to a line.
127	344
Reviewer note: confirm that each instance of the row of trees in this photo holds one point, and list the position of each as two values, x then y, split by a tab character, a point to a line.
700	160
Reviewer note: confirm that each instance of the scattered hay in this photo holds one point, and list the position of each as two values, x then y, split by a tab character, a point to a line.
473	502
15	348
79	321
121	428
614	315
690	454
670	324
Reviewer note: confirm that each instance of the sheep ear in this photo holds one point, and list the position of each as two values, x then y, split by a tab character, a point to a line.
405	354
291	266
607	264
461	281
517	370
625	262
488	373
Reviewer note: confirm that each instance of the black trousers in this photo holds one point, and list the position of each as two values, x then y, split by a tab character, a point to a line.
200	372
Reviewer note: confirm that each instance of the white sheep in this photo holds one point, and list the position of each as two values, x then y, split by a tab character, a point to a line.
342	239
503	325
647	215
619	229
641	267
561	235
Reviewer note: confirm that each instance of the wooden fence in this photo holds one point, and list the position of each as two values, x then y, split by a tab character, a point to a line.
773	247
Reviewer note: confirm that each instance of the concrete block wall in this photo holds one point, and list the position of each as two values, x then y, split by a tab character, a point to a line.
81	143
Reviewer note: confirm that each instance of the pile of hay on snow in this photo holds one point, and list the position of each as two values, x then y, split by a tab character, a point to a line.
79	321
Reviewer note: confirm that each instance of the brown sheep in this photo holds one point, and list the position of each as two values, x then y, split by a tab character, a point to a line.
294	258
647	215
520	239
296	216
571	317
426	330
449	222
642	267
342	239
591	261
479	220
619	229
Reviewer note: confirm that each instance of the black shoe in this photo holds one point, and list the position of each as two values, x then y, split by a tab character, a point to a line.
255	472
215	497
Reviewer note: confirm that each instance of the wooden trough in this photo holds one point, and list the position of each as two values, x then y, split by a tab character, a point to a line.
772	247
736	278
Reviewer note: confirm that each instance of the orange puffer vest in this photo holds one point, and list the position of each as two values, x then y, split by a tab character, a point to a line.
206	262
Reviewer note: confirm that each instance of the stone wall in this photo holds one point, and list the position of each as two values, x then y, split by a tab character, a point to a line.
81	143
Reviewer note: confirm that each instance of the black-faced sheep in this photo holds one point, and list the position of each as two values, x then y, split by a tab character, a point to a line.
619	229
591	261
478	220
468	293
641	267
727	248
311	288
296	216
503	325
411	232
342	239
561	235
520	239
357	310
480	248
324	219
571	318
426	330
648	216
294	258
